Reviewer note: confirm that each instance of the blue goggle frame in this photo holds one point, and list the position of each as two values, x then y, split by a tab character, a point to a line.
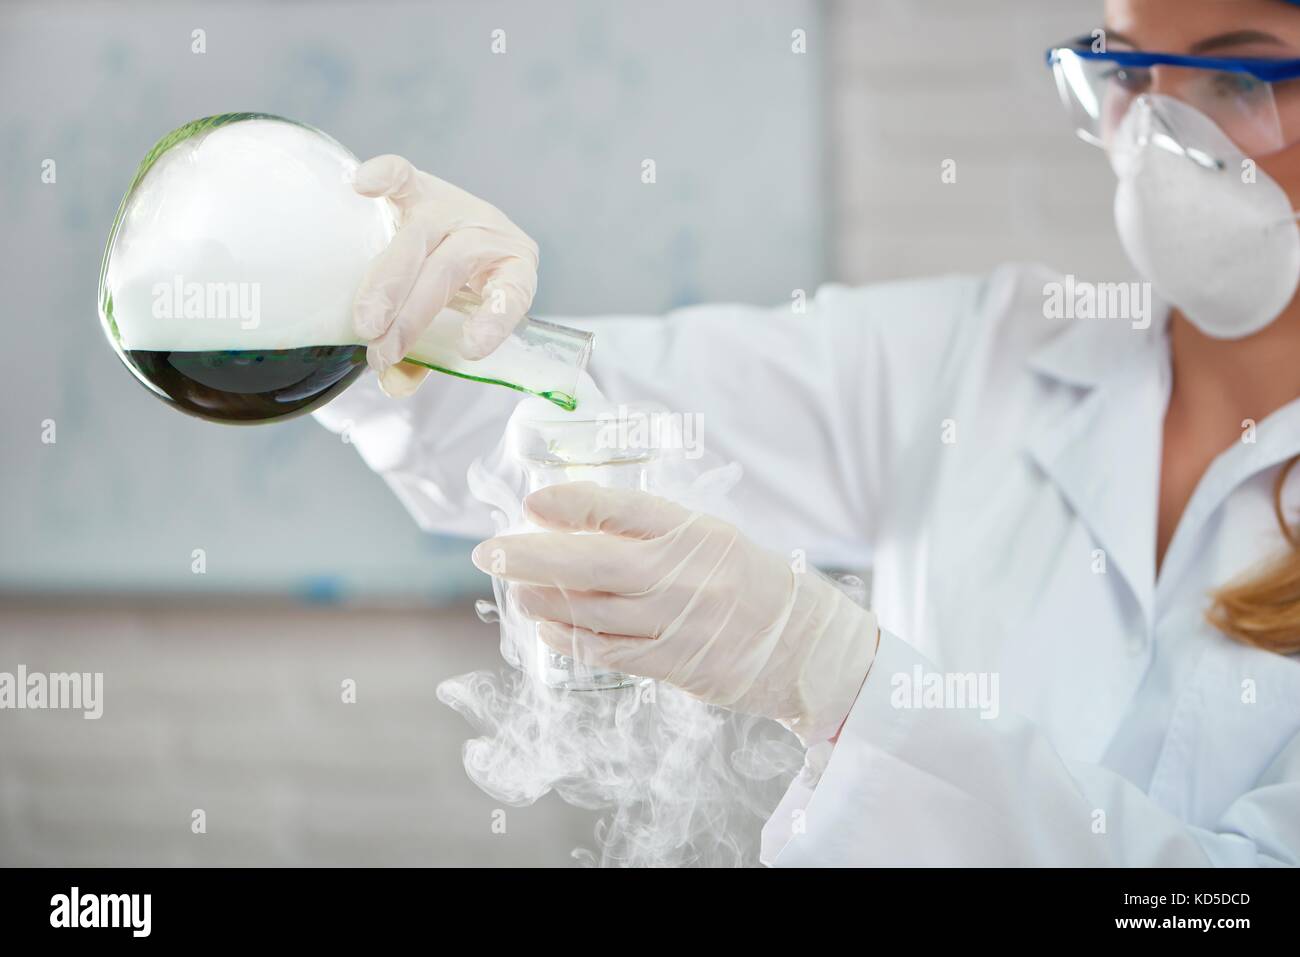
1269	71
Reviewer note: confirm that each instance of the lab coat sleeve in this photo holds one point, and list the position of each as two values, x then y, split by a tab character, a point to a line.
929	786
810	400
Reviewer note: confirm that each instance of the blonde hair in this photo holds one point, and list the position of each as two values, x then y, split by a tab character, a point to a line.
1263	609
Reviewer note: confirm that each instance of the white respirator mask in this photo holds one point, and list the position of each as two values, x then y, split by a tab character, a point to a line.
1214	235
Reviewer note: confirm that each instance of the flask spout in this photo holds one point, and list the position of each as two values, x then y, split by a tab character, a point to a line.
540	358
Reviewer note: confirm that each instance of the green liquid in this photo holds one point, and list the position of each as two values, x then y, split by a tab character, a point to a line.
253	386
565	401
246	387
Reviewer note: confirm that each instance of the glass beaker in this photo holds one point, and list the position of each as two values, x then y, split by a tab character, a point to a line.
616	449
230	270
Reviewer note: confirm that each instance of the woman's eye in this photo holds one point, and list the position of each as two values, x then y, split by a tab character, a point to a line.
1236	84
1130	79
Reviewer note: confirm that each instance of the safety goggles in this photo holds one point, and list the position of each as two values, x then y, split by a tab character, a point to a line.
1254	101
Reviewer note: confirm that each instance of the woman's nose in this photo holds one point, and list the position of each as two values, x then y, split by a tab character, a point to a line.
1171	81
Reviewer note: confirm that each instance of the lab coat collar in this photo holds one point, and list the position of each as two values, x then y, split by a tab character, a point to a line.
1272	442
1090	351
1102	450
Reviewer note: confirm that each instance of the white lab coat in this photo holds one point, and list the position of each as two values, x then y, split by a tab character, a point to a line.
999	472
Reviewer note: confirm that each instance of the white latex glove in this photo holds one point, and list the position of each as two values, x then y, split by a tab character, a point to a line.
683	597
446	240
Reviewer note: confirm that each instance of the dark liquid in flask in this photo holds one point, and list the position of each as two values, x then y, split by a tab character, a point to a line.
250	386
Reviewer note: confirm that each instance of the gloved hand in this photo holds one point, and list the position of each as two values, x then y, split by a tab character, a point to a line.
683	597
446	240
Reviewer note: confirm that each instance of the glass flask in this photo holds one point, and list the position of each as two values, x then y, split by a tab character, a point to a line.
229	275
616	451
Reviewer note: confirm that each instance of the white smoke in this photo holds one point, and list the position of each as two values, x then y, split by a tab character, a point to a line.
679	782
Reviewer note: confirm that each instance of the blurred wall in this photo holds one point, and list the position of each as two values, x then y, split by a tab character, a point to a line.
554	131
239	713
913	84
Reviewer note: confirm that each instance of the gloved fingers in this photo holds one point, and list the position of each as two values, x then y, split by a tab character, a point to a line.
603	612
401	380
588	507
394	178
390	277
616	652
572	562
442	274
644	657
507	293
448	238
